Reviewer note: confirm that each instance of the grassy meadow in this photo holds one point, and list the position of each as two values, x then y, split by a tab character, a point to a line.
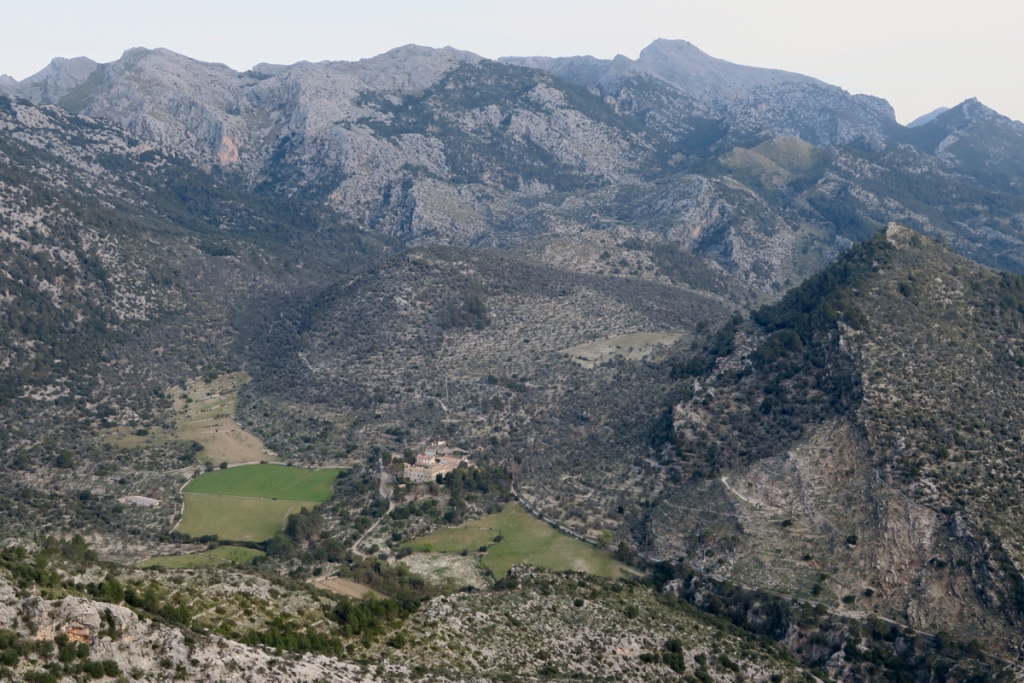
251	502
527	540
348	587
267	481
234	553
233	518
182	561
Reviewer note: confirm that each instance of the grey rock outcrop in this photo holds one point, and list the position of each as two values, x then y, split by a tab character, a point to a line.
147	649
81	620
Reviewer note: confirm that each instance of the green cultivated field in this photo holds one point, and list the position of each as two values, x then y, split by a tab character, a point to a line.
267	481
251	502
234	518
527	541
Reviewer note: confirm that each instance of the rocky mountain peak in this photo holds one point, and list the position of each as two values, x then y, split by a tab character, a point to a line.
162	56
684	65
974	138
972	111
49	84
407	68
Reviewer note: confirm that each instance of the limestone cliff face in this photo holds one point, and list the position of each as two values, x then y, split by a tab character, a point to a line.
337	130
218	116
148	649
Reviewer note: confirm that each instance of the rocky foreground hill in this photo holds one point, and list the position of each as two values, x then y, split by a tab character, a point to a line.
736	321
837	455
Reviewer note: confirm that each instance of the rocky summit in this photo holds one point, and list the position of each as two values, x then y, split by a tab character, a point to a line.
435	367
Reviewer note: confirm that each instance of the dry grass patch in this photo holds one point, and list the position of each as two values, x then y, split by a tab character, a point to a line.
206	415
631	346
525	540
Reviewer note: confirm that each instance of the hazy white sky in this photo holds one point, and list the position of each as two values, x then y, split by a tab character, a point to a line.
918	55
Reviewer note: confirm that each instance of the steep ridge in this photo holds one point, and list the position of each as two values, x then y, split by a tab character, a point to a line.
54	81
169	625
977	141
859	441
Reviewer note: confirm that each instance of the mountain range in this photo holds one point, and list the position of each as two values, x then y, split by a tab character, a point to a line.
736	322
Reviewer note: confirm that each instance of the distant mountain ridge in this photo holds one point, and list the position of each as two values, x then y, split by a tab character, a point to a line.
926	118
751	99
443	146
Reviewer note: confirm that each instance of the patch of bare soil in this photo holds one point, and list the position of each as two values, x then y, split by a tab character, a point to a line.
441	567
341	586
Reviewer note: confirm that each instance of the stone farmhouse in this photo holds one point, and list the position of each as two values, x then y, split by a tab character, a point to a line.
433	461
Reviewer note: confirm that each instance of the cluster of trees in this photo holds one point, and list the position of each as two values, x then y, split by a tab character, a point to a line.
686	267
430	507
305	537
482	479
717	344
305	525
38	571
370	616
829	296
472	312
284	634
156	605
